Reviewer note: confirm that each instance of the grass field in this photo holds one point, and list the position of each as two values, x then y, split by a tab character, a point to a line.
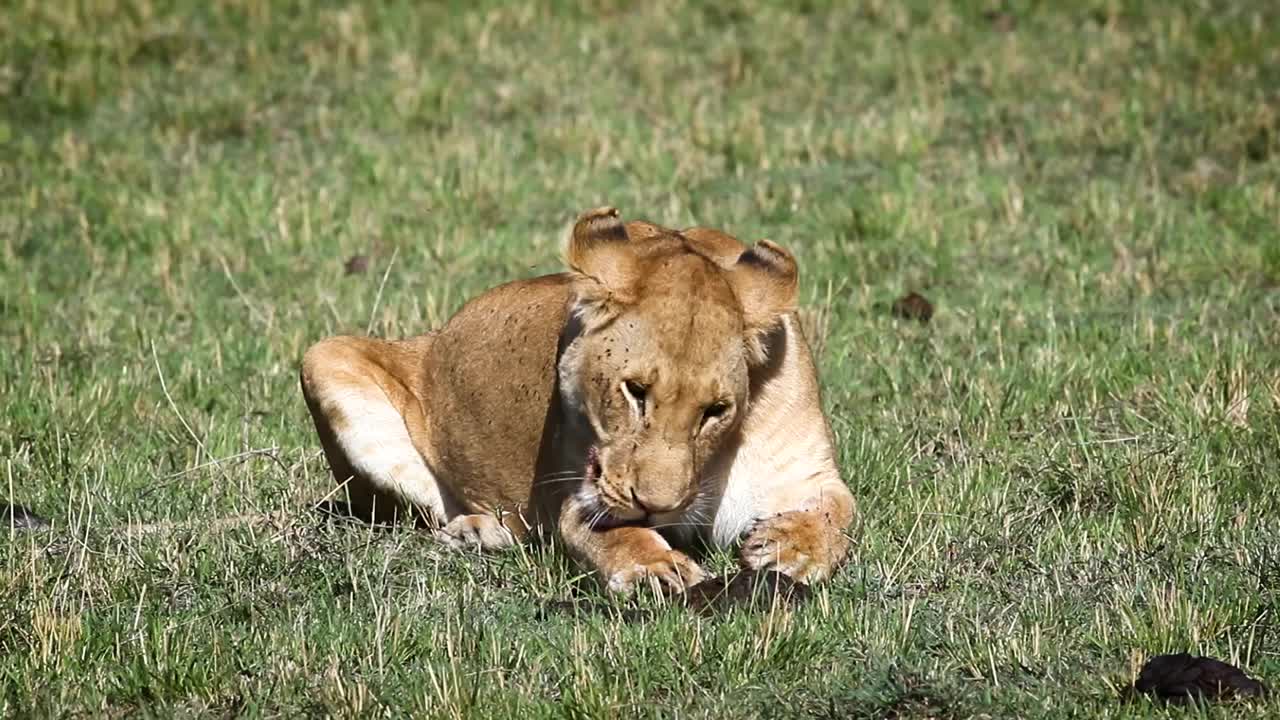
1074	466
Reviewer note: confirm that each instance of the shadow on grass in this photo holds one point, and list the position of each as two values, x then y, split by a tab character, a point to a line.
750	590
757	591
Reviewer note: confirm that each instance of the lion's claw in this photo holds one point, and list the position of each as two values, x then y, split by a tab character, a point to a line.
800	544
669	570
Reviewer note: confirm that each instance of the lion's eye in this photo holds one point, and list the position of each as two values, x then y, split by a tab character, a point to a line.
713	412
635	393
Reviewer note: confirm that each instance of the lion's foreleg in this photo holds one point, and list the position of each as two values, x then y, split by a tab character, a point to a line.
625	556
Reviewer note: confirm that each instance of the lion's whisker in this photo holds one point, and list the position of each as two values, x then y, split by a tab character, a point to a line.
659	526
555	481
559	476
600	514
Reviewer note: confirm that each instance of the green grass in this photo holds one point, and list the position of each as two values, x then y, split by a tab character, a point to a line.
1073	467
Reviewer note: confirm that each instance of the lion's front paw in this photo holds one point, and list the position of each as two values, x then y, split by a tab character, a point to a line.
801	544
667	569
484	532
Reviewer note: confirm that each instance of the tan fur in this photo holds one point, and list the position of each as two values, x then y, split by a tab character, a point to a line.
657	393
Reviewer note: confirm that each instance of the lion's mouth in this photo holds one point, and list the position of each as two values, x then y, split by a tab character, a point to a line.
593	469
598	514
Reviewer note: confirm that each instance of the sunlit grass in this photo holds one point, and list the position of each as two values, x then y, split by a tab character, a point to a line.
1071	468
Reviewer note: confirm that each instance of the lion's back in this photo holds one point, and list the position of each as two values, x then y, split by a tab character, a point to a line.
492	379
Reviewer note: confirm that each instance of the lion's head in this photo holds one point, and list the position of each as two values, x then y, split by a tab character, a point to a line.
654	367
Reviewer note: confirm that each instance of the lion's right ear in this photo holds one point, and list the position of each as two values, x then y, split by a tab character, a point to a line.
599	248
766	281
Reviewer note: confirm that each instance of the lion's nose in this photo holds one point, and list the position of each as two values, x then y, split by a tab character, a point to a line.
656	501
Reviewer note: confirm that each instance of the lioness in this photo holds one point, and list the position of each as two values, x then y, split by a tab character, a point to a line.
659	392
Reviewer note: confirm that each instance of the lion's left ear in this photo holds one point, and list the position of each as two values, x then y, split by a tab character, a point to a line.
599	248
765	279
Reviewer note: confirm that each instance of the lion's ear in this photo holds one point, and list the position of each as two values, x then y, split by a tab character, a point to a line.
638	230
599	248
717	246
765	279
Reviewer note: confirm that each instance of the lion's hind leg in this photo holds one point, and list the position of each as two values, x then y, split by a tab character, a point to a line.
482	531
361	394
